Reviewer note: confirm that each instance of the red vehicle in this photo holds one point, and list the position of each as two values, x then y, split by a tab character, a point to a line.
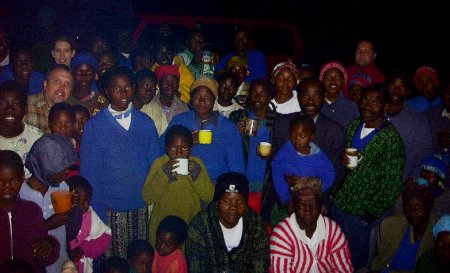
278	40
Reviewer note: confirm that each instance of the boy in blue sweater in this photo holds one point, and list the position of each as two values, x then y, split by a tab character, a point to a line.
298	158
118	146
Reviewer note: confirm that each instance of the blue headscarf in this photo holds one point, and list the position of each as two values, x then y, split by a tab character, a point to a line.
49	155
442	225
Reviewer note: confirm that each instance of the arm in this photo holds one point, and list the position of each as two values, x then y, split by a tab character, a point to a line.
235	153
340	253
198	251
96	247
156	184
281	255
279	182
203	185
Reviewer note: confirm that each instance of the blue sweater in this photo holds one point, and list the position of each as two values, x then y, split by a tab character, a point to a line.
116	162
257	64
224	154
288	161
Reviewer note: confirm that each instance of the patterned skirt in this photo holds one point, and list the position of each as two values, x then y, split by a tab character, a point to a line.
126	227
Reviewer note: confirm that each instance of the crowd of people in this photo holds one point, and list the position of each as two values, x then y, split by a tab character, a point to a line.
163	152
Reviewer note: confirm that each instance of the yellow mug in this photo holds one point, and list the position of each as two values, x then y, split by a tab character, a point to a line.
265	148
205	136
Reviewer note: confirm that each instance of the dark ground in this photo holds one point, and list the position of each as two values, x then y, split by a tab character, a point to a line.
408	34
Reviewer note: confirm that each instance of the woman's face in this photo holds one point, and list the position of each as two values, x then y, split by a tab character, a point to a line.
333	81
202	101
285	82
232	206
307	210
259	97
146	90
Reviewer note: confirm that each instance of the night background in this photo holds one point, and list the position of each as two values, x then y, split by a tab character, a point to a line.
407	34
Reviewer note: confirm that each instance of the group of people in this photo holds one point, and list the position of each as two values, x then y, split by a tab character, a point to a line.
115	128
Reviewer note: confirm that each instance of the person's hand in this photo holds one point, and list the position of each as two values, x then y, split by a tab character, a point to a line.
193	166
42	249
170	165
443	139
195	136
77	253
345	160
57	220
241	125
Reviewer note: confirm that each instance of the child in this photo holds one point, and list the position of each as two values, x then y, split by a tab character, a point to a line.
24	235
115	264
300	157
82	115
173	194
94	237
61	120
48	161
140	256
169	258
228	86
145	88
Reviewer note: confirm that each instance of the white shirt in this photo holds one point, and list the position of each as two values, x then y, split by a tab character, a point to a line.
232	236
365	131
446	114
290	106
125	120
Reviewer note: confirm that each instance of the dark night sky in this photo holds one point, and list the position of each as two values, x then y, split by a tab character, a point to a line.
407	34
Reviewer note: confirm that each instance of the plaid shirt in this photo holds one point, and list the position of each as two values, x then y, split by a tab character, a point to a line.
38	110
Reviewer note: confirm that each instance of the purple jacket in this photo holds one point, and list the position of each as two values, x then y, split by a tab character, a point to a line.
20	229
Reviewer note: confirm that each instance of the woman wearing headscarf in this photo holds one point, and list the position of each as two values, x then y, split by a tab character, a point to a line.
285	80
48	161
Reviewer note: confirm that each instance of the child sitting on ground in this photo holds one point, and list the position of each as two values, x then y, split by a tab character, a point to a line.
300	157
23	232
169	258
94	237
140	256
171	193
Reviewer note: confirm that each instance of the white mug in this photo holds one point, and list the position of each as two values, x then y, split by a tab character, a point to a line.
182	166
354	157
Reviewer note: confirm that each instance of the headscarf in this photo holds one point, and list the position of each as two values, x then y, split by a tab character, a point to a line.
168	69
231	182
285	65
426	71
299	185
207	82
84	57
49	155
333	64
442	225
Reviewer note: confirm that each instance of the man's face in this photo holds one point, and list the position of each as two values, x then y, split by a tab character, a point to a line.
398	91
146	90
259	97
333	81
164	56
169	85
232	206
120	92
227	89
310	99
371	107
58	86
364	53
197	44
63	53
84	75
426	87
241	41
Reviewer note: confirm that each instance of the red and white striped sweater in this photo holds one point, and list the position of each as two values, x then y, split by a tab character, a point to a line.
290	253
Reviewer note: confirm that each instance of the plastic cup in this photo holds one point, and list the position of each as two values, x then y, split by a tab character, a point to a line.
265	148
61	200
182	166
205	136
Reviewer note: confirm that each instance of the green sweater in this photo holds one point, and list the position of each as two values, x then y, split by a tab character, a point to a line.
181	197
206	250
375	184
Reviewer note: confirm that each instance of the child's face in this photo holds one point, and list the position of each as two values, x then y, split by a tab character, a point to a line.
142	263
10	182
120	92
62	124
166	243
80	119
104	63
178	148
432	177
84	76
300	137
12	110
259	97
22	65
84	199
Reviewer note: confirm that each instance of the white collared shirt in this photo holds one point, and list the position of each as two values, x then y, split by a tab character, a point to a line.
125	122
232	236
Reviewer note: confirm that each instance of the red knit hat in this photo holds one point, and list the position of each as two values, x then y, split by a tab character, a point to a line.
169	69
427	71
333	64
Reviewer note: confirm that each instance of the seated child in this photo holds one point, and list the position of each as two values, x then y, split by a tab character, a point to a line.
82	115
169	258
48	161
61	120
140	256
300	157
94	237
115	264
171	193
23	232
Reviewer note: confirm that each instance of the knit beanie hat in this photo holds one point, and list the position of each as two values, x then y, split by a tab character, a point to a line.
434	164
84	57
231	182
211	84
426	71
